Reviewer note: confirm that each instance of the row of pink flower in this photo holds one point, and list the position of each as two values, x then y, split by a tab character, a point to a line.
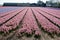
55	20
7	13
1	7
29	25
12	24
52	12
46	25
8	16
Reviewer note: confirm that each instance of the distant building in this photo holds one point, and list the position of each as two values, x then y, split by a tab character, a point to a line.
53	3
48	3
16	4
10	4
39	3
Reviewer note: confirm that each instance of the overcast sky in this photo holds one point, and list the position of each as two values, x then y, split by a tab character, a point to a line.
20	1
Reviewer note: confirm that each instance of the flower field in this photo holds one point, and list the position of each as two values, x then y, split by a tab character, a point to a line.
29	23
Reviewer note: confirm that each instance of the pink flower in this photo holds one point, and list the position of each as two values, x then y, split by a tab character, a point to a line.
38	33
22	30
29	31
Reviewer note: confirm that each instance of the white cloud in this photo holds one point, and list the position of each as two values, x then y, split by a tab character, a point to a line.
19	1
31	1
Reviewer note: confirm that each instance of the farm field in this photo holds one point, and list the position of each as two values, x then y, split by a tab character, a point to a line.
29	23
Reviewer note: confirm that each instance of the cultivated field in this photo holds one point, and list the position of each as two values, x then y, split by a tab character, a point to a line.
29	23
